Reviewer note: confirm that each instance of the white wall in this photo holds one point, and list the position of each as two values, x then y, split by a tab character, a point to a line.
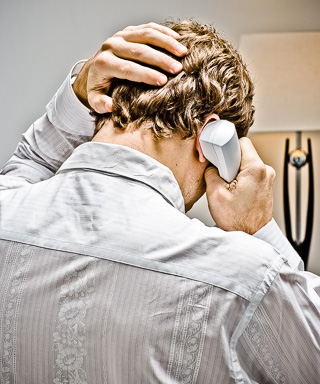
41	39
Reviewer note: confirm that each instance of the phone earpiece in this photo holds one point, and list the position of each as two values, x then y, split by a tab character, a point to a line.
220	145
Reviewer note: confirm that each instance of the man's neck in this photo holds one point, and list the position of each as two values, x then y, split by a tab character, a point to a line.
141	140
176	154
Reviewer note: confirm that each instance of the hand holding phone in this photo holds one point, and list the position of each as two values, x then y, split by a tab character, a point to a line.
220	145
246	204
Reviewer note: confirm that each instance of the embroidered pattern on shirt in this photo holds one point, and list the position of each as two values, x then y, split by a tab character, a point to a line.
14	275
69	335
259	337
189	334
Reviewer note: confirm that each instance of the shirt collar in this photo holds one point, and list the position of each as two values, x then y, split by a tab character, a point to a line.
129	163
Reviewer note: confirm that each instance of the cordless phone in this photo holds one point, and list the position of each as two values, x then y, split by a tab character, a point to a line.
220	145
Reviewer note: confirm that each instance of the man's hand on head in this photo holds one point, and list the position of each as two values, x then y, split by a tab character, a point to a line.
246	204
120	56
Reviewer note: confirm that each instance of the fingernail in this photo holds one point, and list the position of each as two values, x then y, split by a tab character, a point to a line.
162	79
181	49
175	34
176	67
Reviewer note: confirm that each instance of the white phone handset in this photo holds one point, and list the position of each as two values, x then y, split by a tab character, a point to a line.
220	145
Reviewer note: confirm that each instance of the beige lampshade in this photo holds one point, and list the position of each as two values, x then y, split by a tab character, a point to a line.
286	71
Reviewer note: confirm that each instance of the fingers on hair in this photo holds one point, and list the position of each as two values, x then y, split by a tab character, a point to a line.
214	79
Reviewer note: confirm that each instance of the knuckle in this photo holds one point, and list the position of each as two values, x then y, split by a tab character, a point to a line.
136	50
272	173
125	68
108	43
260	171
119	34
169	40
100	61
151	25
146	32
164	61
129	28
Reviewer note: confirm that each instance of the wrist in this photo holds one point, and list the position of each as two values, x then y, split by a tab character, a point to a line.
80	85
66	112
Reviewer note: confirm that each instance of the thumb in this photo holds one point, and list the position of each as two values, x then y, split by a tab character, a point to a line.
212	178
100	102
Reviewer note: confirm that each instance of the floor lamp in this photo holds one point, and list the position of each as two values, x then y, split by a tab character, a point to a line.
286	71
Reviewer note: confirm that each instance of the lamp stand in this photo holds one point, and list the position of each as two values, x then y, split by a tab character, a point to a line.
298	158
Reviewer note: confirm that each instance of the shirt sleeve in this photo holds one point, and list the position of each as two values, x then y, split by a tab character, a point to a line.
281	343
51	139
272	234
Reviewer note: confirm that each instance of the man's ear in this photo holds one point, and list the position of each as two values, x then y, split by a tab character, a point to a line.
212	117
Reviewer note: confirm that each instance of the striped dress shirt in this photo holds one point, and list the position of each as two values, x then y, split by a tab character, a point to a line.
104	279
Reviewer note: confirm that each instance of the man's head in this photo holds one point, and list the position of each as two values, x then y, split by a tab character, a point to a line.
214	80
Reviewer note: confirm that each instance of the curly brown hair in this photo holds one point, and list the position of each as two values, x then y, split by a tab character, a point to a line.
214	79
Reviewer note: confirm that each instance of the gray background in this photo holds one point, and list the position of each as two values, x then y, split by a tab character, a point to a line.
41	39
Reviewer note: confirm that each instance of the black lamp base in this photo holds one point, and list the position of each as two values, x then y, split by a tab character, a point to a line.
302	247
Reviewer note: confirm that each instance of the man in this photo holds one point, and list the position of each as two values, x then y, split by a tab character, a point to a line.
103	277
